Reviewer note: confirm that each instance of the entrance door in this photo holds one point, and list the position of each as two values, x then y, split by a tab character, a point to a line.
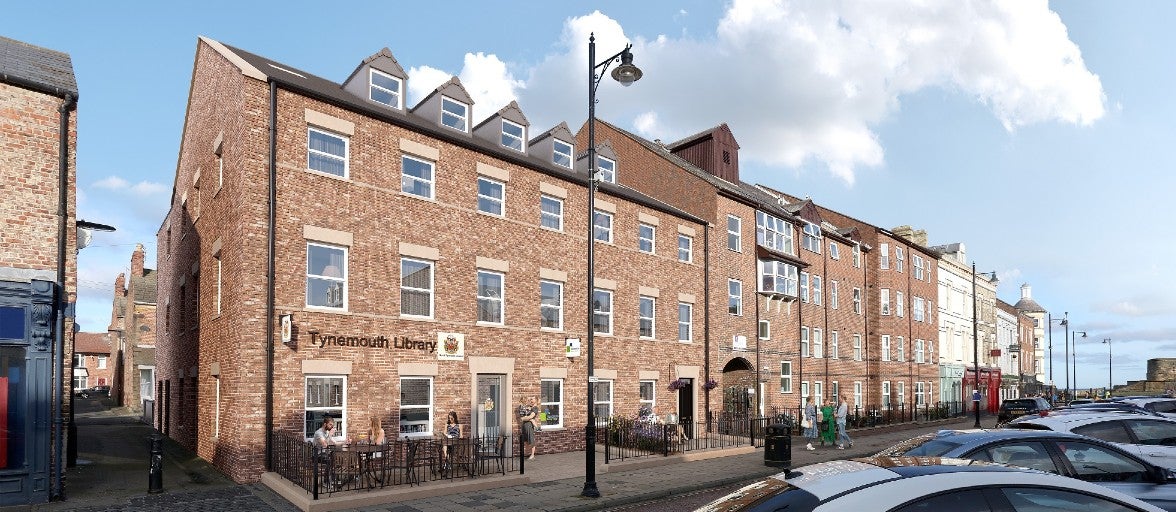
686	407
489	410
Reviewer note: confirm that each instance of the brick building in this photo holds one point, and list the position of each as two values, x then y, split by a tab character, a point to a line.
782	280
38	266
92	356
419	266
132	332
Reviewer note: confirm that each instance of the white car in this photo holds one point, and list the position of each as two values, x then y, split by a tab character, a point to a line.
923	484
1164	406
1151	437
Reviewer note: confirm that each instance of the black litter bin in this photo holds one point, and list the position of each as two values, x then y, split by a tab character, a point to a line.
778	445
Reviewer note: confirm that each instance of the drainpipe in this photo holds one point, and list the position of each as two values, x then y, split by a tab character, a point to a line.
706	341
67	105
269	276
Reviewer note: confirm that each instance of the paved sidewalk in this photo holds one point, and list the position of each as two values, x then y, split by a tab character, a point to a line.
113	460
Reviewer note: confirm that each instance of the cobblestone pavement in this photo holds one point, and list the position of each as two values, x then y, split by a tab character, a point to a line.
112	476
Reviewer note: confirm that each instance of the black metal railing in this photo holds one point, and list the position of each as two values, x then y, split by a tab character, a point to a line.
360	466
625	438
870	416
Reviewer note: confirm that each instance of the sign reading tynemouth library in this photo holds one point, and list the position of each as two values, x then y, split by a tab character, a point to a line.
450	346
397	342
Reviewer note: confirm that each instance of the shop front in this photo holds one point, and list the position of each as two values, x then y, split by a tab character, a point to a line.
27	316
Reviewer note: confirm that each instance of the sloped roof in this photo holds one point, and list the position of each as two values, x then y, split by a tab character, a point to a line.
145	286
37	68
745	191
511	112
309	84
91	343
1029	306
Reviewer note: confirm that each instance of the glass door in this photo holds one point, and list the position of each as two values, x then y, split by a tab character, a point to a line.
489	408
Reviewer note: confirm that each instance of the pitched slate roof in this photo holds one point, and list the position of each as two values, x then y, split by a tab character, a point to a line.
325	90
36	68
145	287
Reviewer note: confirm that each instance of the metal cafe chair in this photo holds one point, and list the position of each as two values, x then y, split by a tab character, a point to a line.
492	454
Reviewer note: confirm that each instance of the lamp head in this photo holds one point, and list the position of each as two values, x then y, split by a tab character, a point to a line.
627	73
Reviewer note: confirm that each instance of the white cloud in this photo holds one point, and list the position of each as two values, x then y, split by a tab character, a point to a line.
809	81
111	183
147	188
142	188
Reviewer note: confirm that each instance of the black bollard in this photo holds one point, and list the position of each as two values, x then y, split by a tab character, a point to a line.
155	474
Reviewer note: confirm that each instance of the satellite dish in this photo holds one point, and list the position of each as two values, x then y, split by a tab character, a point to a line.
85	236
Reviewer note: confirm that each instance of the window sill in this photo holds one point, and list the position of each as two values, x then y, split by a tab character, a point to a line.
346	179
490	324
551	329
422	198
560	230
418	318
323	309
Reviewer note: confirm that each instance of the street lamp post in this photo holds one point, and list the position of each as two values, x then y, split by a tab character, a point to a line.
626	74
1075	360
1065	320
976	339
1110	364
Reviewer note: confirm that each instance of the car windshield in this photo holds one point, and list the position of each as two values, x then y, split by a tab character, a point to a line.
922	446
1018	404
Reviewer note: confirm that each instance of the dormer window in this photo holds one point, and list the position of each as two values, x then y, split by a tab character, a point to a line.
513	135
385	88
454	114
562	153
606	169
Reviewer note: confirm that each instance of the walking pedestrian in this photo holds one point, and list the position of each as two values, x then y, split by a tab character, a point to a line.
843	439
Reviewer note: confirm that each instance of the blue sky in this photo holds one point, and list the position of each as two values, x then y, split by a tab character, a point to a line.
1037	134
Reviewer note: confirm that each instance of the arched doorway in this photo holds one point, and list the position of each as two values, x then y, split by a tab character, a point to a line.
738	385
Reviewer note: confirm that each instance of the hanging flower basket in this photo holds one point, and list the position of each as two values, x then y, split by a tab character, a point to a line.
710	384
677	384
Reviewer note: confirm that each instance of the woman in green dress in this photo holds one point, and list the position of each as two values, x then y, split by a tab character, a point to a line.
828	426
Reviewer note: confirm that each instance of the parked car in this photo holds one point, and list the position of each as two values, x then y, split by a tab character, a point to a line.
1017	407
100	390
82	392
1160	405
1153	438
922	484
1063	453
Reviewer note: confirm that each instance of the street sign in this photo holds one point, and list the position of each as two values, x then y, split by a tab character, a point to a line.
593	378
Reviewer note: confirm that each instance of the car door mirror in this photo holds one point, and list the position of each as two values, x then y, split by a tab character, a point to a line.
1166	475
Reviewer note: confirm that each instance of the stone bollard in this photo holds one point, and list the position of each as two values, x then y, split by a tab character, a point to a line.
155	473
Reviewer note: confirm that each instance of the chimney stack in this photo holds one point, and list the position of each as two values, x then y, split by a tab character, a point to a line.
120	285
137	261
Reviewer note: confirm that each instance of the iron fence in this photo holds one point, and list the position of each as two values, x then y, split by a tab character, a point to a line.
402	461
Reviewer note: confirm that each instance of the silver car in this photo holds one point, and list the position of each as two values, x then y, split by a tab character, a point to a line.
1160	405
1153	438
922	484
1066	454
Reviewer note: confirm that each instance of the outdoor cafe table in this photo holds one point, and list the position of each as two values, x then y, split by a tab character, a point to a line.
364	454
